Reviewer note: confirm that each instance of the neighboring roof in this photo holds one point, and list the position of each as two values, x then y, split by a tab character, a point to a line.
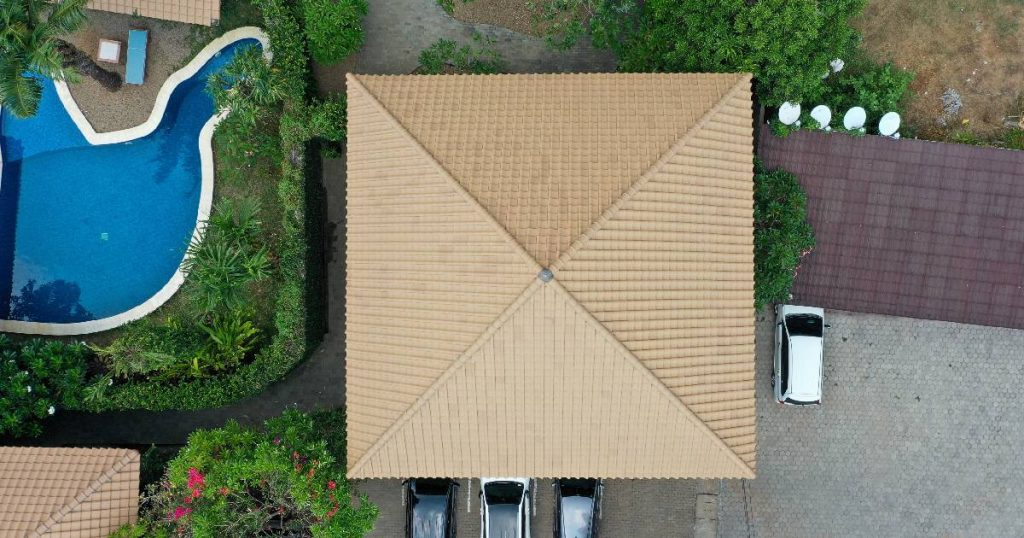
908	227
205	12
636	360
67	492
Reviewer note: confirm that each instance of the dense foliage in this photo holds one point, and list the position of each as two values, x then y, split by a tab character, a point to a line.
37	379
787	44
286	480
782	235
333	28
447	56
564	22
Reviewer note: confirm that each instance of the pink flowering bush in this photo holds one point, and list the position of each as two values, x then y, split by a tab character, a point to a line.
286	480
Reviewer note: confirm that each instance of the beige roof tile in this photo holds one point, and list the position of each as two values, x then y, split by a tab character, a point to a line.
204	12
636	190
547	154
67	492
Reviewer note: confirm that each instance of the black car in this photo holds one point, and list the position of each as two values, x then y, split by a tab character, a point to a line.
577	507
430	508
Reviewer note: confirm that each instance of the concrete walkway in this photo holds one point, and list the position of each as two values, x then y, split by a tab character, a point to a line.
397	30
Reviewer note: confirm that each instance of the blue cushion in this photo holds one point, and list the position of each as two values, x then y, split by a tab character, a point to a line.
135	67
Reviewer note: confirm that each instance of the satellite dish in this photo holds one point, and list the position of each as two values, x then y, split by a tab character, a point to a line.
889	125
837	65
855	118
823	115
789	113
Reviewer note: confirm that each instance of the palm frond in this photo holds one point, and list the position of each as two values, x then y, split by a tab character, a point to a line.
66	16
19	92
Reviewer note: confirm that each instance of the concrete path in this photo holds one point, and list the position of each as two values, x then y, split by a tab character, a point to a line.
397	30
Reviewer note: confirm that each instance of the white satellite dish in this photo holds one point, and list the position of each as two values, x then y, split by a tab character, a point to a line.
823	115
889	125
789	113
837	65
855	118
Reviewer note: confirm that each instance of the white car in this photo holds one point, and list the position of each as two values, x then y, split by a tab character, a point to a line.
798	368
505	507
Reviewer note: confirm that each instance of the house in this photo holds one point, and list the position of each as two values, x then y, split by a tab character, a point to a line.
204	12
550	276
67	492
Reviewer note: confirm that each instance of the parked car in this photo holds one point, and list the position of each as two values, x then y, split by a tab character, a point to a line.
505	507
798	368
430	508
577	507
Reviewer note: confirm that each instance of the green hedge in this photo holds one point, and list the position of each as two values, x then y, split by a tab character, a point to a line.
291	343
782	235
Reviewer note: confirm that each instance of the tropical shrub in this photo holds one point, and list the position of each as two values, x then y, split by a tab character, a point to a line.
229	257
31	47
782	235
564	22
447	56
333	28
287	480
246	87
787	44
879	88
37	379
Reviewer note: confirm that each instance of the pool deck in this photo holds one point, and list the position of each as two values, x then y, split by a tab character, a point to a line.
140	131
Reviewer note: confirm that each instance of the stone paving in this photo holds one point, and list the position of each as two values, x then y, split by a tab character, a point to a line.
631	508
920	434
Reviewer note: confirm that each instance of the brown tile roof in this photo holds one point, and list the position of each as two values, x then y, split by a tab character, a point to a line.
910	228
205	12
636	192
67	492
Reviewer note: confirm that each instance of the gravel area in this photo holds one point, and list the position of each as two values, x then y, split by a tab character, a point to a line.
169	49
919	434
511	14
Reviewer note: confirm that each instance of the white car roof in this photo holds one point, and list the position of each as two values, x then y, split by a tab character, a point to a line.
805	368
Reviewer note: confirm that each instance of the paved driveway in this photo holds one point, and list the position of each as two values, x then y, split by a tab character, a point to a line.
920	434
632	508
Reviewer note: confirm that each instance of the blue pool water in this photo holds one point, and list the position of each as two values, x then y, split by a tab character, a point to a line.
87	232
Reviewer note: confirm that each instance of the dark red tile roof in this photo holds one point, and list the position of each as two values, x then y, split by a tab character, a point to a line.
909	228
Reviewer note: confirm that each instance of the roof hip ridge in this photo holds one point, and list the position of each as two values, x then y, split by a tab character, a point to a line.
353	81
612	210
464	357
104	478
646	372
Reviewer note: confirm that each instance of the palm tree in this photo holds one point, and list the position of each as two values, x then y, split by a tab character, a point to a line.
31	47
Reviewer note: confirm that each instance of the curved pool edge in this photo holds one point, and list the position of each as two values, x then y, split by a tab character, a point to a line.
206	190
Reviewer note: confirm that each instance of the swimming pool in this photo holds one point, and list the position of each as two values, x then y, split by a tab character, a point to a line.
94	227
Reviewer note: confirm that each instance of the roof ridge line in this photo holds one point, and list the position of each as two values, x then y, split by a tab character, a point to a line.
353	81
658	383
485	336
613	209
68	507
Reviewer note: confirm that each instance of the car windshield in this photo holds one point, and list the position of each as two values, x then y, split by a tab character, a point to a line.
429	513
503	521
503	492
577	513
804	325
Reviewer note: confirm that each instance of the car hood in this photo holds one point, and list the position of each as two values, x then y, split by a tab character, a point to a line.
805	368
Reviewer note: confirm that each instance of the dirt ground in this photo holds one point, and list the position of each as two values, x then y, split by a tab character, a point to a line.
511	14
168	50
975	47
